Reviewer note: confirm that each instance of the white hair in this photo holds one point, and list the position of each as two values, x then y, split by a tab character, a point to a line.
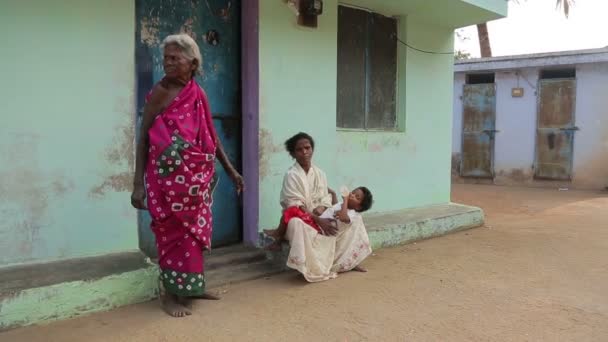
188	47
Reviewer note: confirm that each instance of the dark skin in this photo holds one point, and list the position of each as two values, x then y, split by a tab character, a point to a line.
328	227
353	201
179	70
303	155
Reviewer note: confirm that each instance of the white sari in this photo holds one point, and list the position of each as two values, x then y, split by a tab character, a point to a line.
305	189
316	256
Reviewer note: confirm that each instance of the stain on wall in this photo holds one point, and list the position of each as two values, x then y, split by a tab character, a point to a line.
26	188
122	155
121	182
267	149
593	173
149	31
456	160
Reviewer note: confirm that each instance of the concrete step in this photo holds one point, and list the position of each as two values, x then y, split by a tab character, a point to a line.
235	264
234	274
109	281
409	225
19	278
232	255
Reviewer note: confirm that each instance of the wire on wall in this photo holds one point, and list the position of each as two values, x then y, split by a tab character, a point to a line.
423	51
520	74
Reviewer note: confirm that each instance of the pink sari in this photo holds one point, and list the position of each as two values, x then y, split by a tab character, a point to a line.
180	182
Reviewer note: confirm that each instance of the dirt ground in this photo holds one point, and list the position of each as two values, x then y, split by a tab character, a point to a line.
538	271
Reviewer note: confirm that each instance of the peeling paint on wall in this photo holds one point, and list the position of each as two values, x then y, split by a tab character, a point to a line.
121	153
375	147
594	173
267	148
124	147
223	13
186	28
122	182
26	189
456	160
515	176
149	31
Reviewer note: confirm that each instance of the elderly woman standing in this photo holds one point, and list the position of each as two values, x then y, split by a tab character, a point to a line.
177	151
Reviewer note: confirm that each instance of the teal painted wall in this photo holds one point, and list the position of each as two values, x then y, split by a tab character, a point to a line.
297	93
500	7
66	139
405	169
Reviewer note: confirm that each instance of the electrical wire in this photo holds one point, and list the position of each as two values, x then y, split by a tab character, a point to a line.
420	50
519	73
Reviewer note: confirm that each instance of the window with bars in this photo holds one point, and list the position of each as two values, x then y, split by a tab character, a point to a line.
367	70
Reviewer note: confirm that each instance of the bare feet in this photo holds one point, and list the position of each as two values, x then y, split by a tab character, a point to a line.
274	247
356	269
273	233
172	306
276	236
188	302
206	296
185	302
360	269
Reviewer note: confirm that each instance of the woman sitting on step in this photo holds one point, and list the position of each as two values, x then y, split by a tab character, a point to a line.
321	247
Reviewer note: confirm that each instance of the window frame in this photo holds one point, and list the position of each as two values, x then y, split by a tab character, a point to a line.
370	15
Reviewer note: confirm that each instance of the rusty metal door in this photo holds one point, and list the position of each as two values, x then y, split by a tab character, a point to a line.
555	129
478	130
215	25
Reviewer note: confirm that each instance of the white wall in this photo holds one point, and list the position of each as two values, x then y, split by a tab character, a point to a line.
516	121
591	142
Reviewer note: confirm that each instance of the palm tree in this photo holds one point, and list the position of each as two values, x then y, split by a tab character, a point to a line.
484	36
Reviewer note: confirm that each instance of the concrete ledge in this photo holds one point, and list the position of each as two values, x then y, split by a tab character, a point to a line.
54	291
408	225
405	226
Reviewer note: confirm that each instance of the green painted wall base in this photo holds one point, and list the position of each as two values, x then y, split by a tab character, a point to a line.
408	225
71	299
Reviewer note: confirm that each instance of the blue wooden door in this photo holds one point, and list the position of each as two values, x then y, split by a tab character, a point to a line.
478	130
555	129
215	25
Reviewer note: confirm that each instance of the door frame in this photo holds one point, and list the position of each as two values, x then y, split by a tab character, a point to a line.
538	97
250	78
